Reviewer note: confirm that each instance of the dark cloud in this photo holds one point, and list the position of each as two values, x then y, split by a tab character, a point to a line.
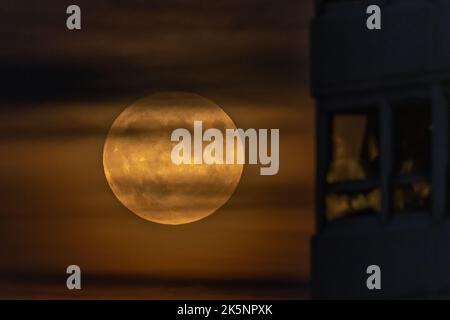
128	47
49	285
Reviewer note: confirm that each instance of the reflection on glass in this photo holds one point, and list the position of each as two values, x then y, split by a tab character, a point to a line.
354	147
412	137
340	205
412	197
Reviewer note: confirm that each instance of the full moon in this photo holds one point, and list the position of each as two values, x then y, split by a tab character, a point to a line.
138	166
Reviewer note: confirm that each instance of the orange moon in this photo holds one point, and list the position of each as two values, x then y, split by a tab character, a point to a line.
138	166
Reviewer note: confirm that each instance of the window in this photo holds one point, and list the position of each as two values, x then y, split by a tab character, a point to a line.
412	155
352	174
352	203
355	149
353	183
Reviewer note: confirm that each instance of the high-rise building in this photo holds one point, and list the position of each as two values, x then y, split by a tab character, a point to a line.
383	99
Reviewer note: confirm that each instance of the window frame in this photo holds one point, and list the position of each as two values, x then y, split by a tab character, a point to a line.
438	98
324	129
399	180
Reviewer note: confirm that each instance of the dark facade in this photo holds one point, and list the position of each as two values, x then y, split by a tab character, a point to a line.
383	99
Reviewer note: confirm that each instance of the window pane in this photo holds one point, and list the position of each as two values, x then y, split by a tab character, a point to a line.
415	196
355	149
339	205
412	137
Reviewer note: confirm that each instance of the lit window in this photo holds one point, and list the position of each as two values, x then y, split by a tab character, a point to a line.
353	168
355	149
346	204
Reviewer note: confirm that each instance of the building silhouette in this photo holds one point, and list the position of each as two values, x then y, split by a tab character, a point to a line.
382	182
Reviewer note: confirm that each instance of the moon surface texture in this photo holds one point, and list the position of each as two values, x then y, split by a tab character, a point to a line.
138	166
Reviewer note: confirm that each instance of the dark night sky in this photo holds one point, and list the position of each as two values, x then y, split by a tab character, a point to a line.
62	89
